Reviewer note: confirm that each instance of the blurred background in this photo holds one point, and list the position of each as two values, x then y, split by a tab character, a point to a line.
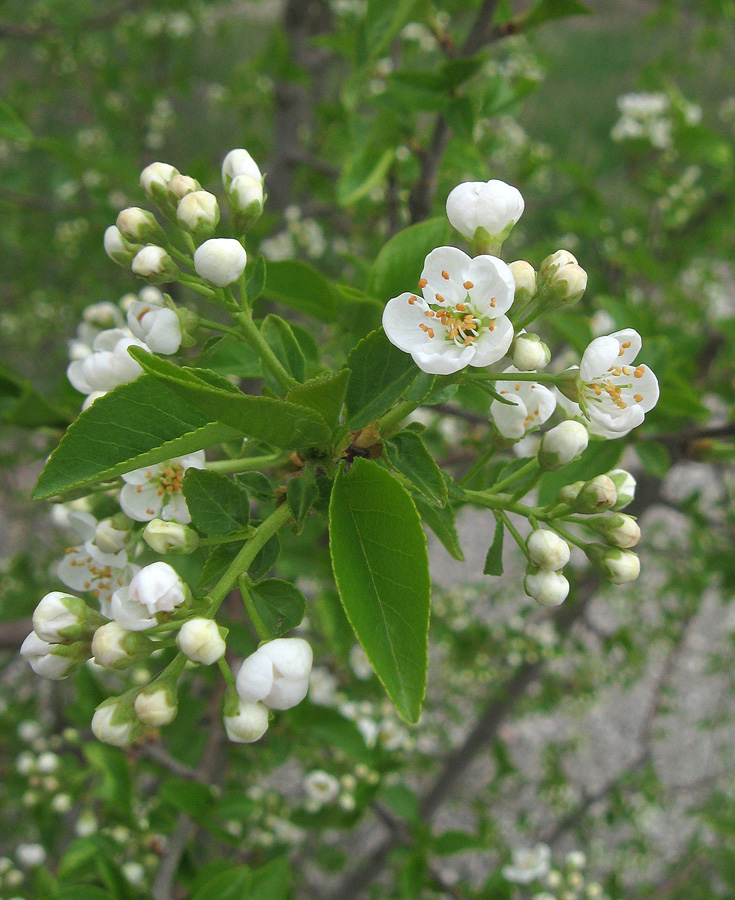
607	732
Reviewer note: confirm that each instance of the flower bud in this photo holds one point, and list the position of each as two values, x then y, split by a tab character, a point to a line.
569	493
201	641
620	566
139	226
548	588
547	549
109	538
158	588
567	284
596	495
248	724
220	261
181	185
562	444
117	248
156	705
484	211
276	674
625	485
239	162
114	722
198	212
62	618
170	537
556	261
524	277
114	647
154	264
158	326
246	200
620	530
530	353
154	180
53	661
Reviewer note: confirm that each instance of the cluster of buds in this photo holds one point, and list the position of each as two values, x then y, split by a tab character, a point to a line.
59	644
548	554
559	283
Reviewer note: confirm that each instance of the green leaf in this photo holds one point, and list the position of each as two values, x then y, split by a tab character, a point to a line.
386	18
280	605
81	892
116	786
256	484
230	885
272	421
547	10
364	170
229	355
255	279
457	842
358	312
302	287
655	457
380	375
442	523
399	264
381	567
22	405
138	424
271	881
282	342
191	797
461	115
217	505
11	126
301	493
598	458
454	72
327	727
325	394
265	560
407	453
494	558
217	563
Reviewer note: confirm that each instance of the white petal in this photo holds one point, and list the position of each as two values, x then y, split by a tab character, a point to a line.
287	693
401	321
143	476
255	678
75	374
598	357
108	339
176	509
128	613
493	345
616	425
195	460
445	359
509	420
73	570
291	657
543	403
142	505
631	337
445	261
83	523
646	384
492	280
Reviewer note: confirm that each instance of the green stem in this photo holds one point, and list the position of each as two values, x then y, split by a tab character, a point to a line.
538	377
262	348
191	282
515	476
570	537
174	668
226	672
514	531
481	498
389	423
478	465
263	533
248	463
253	614
215	326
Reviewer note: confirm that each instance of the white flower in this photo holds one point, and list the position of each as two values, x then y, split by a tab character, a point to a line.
619	566
494	207
547	549
460	320
524	276
30	855
613	393
198	212
249	725
575	859
238	162
61	803
156	587
109	365
201	641
360	664
47	763
548	588
156	707
156	491
155	178
277	674
562	444
220	261
117	248
60	616
155	264
528	865
246	195
181	185
108	538
112	724
155	324
596	495
321	786
532	404
139	226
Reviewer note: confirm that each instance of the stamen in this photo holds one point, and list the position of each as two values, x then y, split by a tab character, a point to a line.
430	332
491	326
638	371
412	300
625	345
468	285
445	275
461	307
493	301
439	298
638	398
423	327
430	313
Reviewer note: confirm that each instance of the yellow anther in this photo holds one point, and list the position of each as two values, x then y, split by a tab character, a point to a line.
638	398
445	275
422	283
638	371
468	285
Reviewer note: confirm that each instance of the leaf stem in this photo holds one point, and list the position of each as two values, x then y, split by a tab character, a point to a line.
515	476
537	377
389	422
514	531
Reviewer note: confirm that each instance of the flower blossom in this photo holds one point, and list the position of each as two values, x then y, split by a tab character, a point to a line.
108	365
154	323
155	491
460	319
277	674
528	865
492	208
532	404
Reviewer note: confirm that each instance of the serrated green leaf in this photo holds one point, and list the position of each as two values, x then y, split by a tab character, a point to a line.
218	506
265	560
255	278
442	523
256	484
280	605
407	453
230	356
302	287
137	424
494	558
302	493
380	375
231	885
325	394
217	563
282	342
381	567
400	262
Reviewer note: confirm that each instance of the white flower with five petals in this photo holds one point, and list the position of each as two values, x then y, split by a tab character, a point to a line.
532	404
155	491
459	318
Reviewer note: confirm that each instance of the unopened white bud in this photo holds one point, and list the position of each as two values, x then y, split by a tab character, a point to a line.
158	326
524	276
547	549
249	723
620	566
114	647
548	588
568	284
154	180
625	485
201	641
53	661
159	588
276	674
239	162
117	248
597	495
246	200
181	185
620	530
556	261
109	538
570	492
562	444
170	537
220	261
139	226
154	264
60	618
114	722
198	212
484	210
156	706
530	353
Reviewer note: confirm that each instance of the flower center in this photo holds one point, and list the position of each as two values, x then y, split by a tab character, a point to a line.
459	323
615	391
170	480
